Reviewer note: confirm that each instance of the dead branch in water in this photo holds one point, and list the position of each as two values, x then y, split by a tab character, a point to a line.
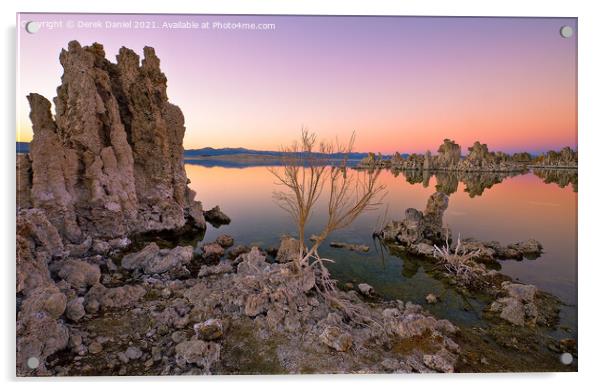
460	262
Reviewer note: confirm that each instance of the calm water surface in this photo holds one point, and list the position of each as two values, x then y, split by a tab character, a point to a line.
516	209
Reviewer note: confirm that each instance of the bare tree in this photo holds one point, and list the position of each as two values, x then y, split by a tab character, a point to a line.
307	170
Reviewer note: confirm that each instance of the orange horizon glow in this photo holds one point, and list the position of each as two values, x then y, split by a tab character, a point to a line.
402	84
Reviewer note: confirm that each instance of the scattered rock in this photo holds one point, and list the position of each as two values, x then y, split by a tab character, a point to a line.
442	361
163	262
211	329
79	274
138	259
251	263
212	252
198	352
517	306
75	309
225	241
336	338
221	268
365	289
101	247
529	248
95	347
256	304
99	297
237	250
133	353
153	260
289	250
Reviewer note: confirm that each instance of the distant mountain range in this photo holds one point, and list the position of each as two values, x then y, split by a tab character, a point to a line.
233	153
225	152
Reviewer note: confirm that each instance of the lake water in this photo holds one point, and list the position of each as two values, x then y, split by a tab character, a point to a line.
516	209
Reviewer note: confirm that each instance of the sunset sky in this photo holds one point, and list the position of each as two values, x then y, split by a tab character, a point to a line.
402	83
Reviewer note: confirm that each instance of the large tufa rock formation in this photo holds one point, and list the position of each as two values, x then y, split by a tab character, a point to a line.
110	162
107	165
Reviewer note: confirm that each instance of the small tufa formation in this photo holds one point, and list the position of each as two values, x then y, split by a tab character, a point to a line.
420	227
565	158
449	154
110	162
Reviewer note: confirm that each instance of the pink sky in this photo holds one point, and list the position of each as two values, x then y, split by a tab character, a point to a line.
402	83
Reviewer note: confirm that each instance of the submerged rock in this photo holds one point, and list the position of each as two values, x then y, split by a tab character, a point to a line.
431	298
351	247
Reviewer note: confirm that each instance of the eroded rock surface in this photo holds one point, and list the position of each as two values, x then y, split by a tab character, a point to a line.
110	162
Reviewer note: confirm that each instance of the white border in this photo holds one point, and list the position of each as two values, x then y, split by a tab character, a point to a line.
590	106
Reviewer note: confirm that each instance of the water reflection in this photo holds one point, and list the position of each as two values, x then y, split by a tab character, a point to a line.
497	207
562	177
475	183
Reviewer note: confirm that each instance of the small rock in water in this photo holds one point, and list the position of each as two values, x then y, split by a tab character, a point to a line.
431	298
351	247
365	289
216	217
225	241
